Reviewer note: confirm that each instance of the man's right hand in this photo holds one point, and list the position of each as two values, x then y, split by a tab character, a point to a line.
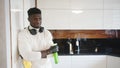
53	49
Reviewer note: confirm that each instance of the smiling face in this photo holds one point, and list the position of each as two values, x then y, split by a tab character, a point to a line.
35	20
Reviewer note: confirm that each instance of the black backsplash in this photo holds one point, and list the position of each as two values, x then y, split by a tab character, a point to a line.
105	46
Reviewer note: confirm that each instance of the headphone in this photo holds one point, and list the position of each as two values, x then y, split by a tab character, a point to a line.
34	31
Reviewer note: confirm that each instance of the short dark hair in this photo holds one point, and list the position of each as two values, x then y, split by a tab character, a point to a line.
33	10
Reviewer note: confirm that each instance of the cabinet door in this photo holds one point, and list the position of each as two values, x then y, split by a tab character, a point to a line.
88	61
64	62
56	19
112	4
62	14
87	19
111	19
86	4
113	62
53	4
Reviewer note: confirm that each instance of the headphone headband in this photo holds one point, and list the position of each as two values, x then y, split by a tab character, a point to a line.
34	31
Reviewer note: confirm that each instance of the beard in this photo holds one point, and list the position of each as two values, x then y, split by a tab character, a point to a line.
36	25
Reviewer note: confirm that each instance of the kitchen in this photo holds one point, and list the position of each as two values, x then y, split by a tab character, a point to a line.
94	22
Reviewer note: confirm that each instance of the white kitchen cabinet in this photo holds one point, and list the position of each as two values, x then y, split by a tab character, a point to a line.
92	61
80	14
65	14
64	62
68	19
53	4
111	19
70	4
87	19
56	19
112	4
85	61
111	14
86	4
113	62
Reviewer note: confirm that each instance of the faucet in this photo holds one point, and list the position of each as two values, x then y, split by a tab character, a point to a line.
70	47
77	44
96	49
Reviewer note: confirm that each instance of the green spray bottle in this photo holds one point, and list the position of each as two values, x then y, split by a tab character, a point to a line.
55	55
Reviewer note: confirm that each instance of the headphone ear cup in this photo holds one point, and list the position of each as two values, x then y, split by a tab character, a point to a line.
33	31
41	29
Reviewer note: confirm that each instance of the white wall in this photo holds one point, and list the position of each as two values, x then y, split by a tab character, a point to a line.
16	25
3	61
8	40
5	57
18	21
